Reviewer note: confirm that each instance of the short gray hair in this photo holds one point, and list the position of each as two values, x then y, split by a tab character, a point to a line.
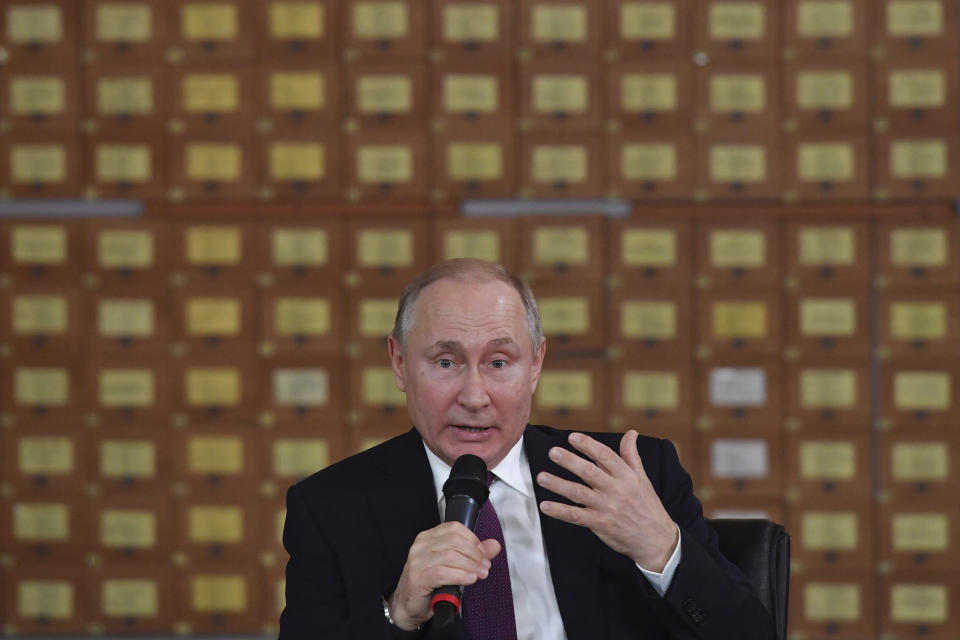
464	269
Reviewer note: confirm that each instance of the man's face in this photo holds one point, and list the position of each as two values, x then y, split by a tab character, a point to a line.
468	368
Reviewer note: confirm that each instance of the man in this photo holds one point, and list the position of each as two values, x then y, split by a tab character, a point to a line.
603	537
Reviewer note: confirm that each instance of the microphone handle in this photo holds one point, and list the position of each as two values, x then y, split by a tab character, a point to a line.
446	599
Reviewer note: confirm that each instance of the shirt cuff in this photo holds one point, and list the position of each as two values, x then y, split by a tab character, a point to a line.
661	581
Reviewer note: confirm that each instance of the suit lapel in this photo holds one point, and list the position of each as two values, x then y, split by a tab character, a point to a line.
571	550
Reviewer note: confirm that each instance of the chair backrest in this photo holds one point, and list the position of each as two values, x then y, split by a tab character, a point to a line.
761	549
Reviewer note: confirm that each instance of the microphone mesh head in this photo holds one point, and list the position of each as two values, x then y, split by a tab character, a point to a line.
468	476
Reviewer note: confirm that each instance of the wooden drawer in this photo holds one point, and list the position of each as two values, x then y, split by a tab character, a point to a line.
304	392
738	30
637	30
125	164
829	394
650	94
651	166
132	529
211	254
43	597
562	248
41	165
385	30
570	394
833	604
375	400
560	96
563	166
130	32
388	251
830	535
217	530
46	529
495	240
742	463
655	252
388	93
919	464
917	253
40	100
43	320
215	389
40	253
127	389
299	252
654	398
298	30
474	164
918	164
213	166
827	324
467	94
919	604
912	27
737	97
738	253
217	462
42	390
813	28
220	600
818	168
478	32
918	394
736	322
129	321
140	599
44	462
825	466
917	92
301	322
34	33
560	28
213	320
571	316
921	536
822	95
127	96
131	461
211	30
827	255
387	163
645	321
738	394
917	325
300	97
737	167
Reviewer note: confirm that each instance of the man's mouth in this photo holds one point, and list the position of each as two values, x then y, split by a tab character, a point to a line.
472	429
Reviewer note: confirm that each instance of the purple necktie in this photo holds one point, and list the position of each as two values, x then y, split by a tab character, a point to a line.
488	604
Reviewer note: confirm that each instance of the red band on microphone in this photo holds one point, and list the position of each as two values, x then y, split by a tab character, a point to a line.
445	597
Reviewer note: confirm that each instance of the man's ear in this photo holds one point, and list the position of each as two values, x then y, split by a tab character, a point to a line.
537	366
396	362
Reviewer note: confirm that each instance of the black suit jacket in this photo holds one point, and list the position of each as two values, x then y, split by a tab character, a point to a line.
349	528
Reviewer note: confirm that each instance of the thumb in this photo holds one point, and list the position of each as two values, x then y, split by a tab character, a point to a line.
490	548
628	450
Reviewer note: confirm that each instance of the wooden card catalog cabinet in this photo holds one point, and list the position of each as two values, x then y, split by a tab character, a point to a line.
733	167
913	324
651	166
822	95
561	95
42	598
132	600
918	536
41	252
126	97
291	457
385	29
919	604
637	30
298	30
832	535
566	28
913	253
737	395
374	397
222	600
911	27
918	464
44	461
650	94
300	394
129	321
126	32
814	27
833	604
827	255
827	324
746	463
215	390
366	437
126	253
922	92
656	399
47	528
40	166
34	32
735	254
42	390
738	30
127	391
471	93
649	253
475	31
737	97
371	312
299	97
213	167
917	165
826	168
554	167
490	239
120	165
572	317
828	395
43	320
215	253
828	467
562	249
747	324
276	588
211	98
223	461
132	527
741	506
41	100
211	319
387	93
300	253
387	164
217	529
646	322
297	167
918	395
474	165
392	252
211	30
571	394
294	321
125	461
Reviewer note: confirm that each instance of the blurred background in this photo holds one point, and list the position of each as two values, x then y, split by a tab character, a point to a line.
739	218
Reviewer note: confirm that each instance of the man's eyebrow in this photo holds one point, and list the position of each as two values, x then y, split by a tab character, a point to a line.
445	345
499	342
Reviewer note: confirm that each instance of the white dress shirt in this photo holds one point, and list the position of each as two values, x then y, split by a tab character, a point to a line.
534	600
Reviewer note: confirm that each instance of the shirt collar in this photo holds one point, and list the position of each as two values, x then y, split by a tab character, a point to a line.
510	471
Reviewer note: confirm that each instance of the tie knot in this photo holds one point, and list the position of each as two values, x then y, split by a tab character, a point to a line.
490	478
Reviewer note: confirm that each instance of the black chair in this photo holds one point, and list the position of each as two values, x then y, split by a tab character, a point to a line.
761	549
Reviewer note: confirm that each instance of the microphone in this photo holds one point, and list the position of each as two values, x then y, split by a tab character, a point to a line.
466	491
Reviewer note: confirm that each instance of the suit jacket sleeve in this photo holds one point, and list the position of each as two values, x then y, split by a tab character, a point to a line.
709	597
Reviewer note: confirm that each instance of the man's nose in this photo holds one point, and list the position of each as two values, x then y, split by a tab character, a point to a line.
473	393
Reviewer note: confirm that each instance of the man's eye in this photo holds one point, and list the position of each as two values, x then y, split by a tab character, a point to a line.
498	364
445	363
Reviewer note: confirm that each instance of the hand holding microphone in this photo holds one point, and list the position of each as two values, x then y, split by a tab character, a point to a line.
444	559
